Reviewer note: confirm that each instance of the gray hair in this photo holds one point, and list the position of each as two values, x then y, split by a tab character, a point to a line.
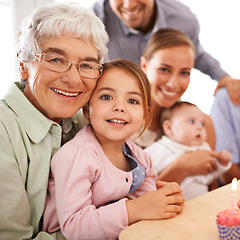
60	19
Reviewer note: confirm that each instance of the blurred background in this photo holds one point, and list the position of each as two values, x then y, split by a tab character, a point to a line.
220	36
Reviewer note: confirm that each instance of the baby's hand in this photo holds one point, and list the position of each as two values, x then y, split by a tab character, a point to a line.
226	157
223	157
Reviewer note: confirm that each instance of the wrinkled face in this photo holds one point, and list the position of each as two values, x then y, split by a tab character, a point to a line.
169	74
116	106
134	13
60	95
187	126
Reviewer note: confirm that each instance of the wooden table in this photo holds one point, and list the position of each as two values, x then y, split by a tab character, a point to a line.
197	221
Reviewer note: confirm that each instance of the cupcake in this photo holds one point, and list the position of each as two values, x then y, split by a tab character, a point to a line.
228	222
238	203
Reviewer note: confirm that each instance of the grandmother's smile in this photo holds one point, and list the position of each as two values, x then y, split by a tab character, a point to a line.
65	93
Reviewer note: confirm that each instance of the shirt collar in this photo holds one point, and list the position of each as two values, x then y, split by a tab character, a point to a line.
34	122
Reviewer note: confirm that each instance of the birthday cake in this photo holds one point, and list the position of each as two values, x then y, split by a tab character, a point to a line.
228	222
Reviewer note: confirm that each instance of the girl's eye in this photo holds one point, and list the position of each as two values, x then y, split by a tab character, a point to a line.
106	97
203	124
133	101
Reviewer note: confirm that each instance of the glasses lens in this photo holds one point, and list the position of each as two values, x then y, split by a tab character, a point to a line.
58	63
55	62
90	69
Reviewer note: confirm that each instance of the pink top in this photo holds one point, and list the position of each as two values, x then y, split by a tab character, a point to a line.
87	193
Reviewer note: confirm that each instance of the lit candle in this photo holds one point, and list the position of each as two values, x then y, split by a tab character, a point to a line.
234	189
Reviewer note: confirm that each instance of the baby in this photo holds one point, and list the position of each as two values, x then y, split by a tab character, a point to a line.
183	127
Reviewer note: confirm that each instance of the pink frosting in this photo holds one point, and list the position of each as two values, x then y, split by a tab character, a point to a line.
238	203
229	218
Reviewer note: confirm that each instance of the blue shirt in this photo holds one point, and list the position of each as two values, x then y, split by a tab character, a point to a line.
127	44
226	120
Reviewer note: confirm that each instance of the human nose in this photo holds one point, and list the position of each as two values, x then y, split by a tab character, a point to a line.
119	107
172	82
73	76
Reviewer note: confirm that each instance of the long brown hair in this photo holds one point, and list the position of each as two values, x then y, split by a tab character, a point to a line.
165	38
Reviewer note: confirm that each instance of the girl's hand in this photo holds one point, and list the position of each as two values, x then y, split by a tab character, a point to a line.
166	202
160	184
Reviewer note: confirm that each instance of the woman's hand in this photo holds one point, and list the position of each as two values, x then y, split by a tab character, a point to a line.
233	87
200	162
165	202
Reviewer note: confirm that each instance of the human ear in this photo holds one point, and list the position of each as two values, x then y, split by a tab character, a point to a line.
167	128
143	63
23	71
86	111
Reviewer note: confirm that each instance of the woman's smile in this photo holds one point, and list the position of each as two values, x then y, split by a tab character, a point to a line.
66	93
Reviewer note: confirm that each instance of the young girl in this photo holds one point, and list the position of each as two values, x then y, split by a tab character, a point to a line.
101	181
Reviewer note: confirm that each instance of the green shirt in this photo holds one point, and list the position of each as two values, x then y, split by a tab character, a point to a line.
27	142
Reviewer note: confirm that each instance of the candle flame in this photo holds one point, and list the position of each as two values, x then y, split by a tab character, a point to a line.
234	184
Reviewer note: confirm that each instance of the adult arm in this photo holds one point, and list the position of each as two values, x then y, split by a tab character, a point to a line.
226	117
233	87
15	212
209	65
204	61
233	172
195	163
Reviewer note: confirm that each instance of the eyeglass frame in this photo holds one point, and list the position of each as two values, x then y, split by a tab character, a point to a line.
40	58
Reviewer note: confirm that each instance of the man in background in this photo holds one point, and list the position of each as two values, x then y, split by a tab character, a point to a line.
130	23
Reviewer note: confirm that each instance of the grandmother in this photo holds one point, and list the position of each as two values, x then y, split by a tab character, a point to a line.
60	52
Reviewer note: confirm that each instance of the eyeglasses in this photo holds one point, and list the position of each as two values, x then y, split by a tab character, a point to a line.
59	63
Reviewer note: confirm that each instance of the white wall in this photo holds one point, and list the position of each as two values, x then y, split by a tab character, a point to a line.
219	21
220	36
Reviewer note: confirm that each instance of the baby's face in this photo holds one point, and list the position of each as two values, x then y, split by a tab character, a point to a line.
188	126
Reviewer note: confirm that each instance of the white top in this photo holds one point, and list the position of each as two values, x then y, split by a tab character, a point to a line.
165	151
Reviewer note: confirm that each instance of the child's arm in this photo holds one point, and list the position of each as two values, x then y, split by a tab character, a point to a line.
163	203
80	214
